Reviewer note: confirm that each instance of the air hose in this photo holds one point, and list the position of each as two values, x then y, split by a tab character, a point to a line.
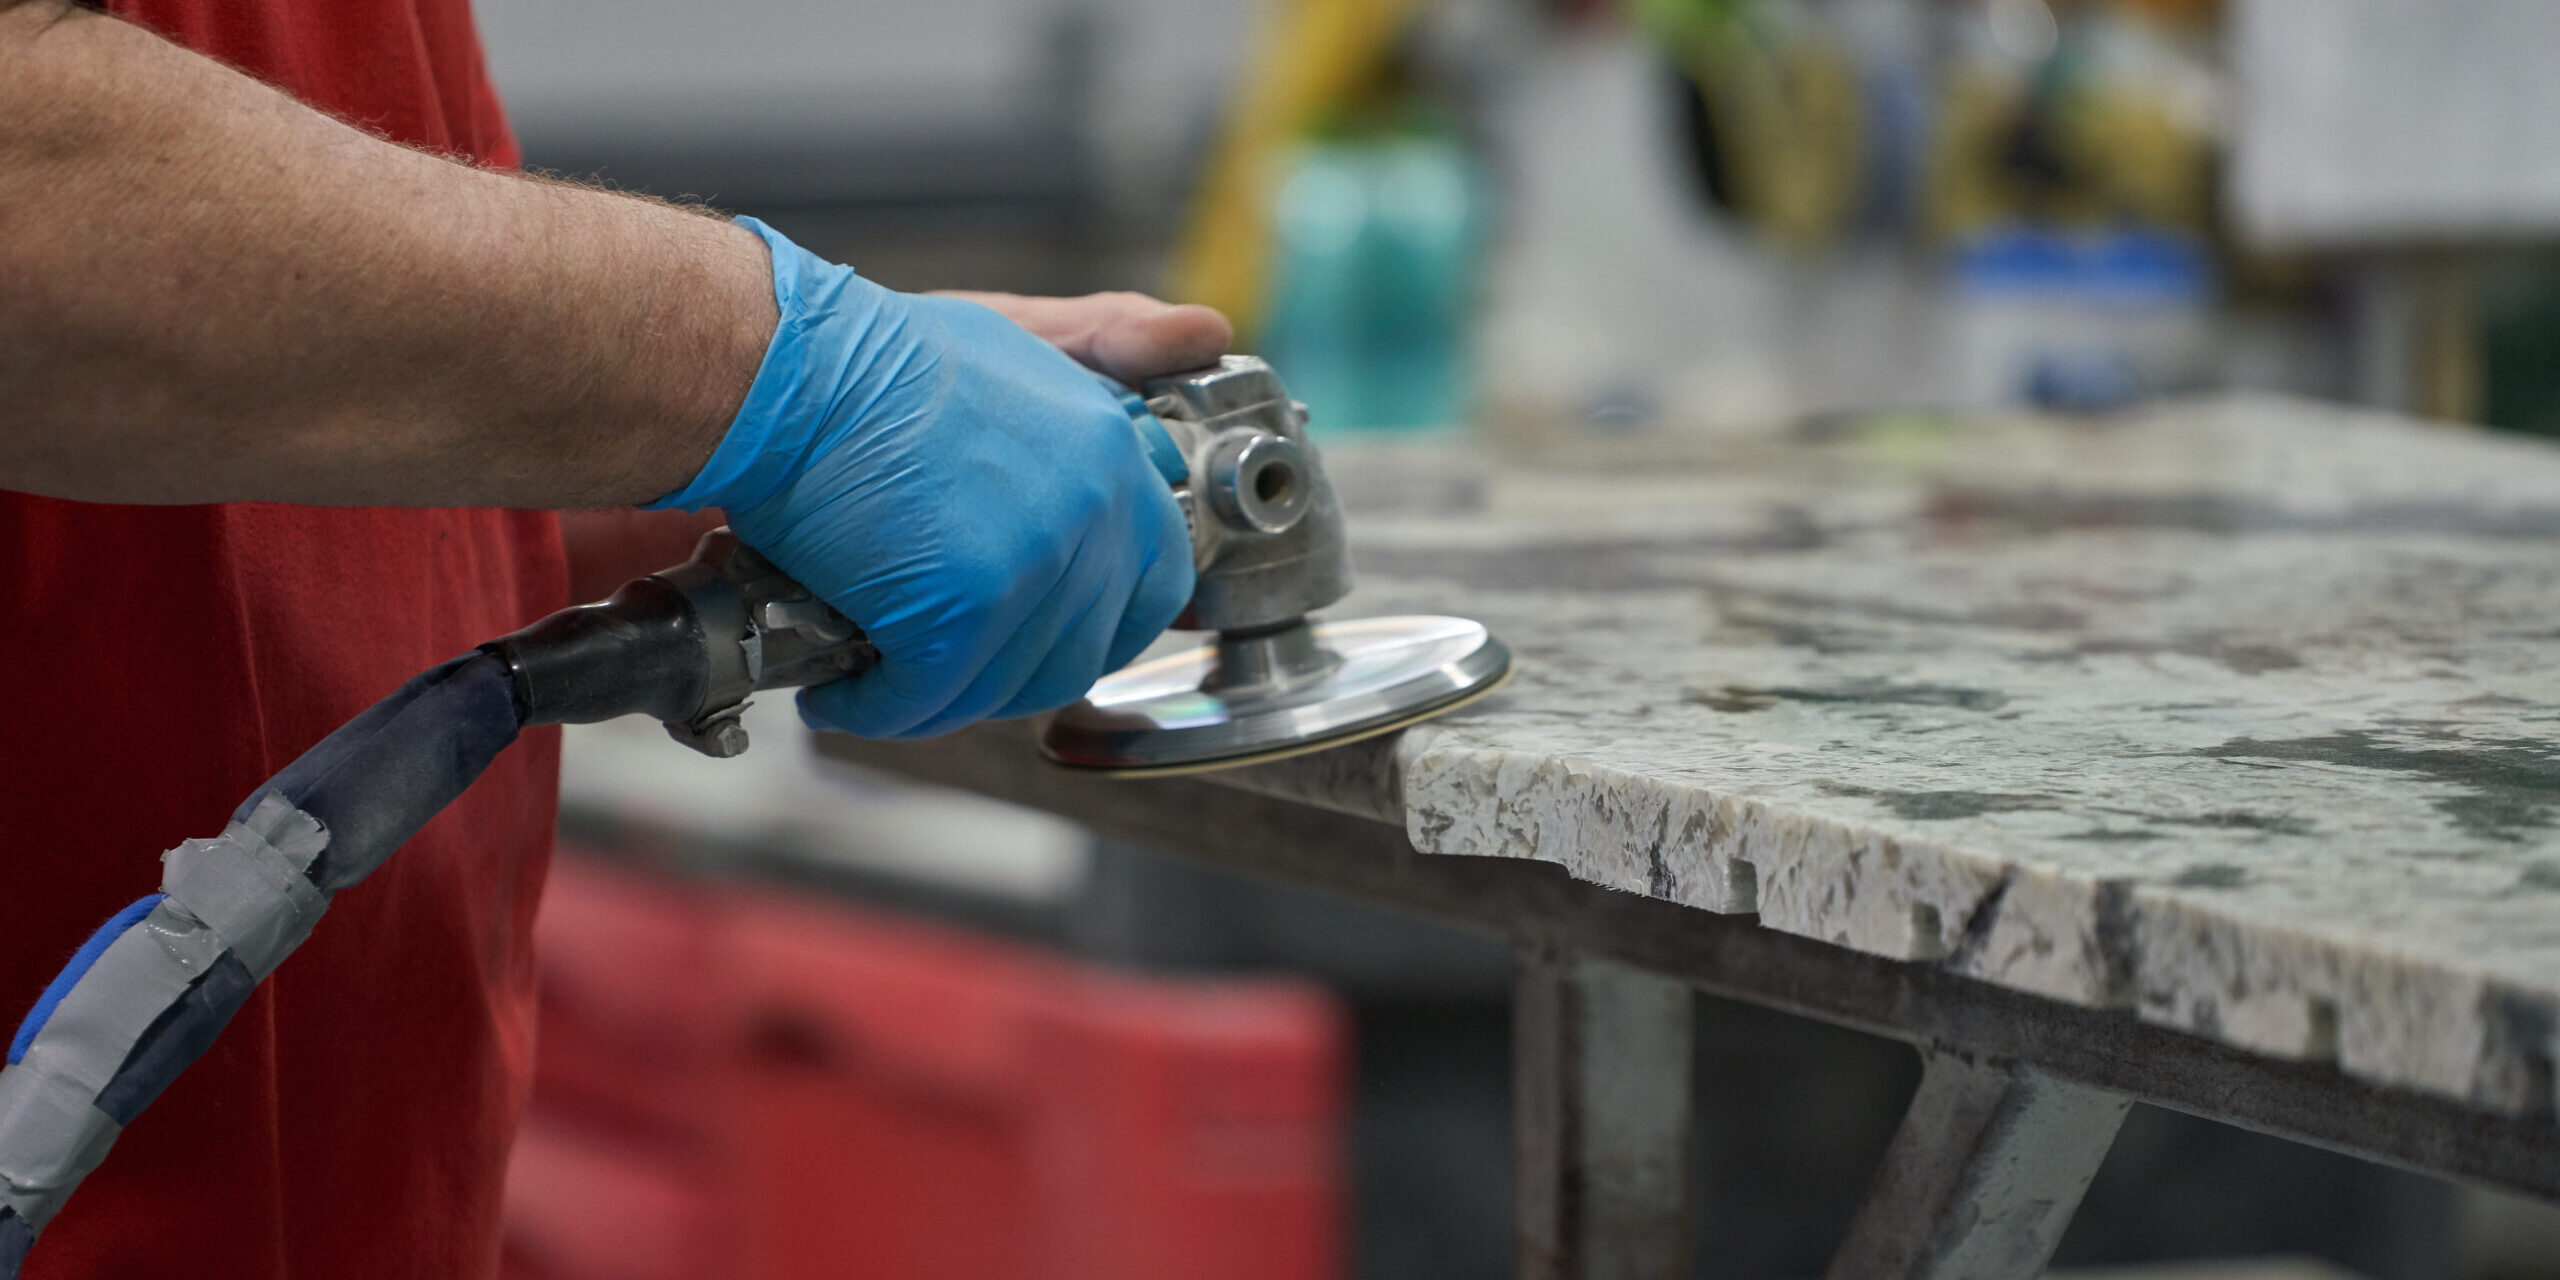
153	986
149	991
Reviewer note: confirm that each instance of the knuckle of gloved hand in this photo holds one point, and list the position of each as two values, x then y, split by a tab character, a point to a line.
998	583
1094	492
1116	458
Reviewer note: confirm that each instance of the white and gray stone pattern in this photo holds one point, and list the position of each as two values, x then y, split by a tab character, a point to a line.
2242	716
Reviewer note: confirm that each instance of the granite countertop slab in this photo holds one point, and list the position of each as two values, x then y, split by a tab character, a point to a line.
2243	715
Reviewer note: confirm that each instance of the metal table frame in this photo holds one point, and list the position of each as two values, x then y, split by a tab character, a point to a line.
2019	1099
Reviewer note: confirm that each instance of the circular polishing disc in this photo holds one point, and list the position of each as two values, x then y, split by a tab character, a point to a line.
1156	717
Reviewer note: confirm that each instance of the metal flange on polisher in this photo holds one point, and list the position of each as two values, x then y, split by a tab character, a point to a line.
1267	537
688	646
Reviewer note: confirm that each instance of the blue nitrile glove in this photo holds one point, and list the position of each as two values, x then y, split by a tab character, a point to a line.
973	499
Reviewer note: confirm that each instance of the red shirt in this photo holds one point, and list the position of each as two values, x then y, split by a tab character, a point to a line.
354	1119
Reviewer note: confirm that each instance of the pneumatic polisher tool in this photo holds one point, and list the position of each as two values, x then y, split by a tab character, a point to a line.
689	646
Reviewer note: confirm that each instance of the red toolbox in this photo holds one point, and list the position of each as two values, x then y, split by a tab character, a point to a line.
631	998
843	1092
605	1181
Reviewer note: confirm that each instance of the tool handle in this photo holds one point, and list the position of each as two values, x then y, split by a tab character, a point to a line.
686	646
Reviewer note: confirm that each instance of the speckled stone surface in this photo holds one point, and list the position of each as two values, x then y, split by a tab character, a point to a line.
2243	715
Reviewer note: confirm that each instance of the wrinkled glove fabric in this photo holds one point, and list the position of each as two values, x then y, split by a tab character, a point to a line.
976	501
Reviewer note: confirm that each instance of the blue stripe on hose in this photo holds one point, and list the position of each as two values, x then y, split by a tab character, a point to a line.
71	973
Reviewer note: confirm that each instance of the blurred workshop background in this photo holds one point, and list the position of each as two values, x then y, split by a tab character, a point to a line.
881	1031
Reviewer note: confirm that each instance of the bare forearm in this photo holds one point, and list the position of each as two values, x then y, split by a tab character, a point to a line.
209	292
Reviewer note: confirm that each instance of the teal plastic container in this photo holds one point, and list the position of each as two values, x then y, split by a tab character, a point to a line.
1374	281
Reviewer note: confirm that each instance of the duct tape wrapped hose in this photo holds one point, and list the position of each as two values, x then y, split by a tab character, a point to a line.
152	988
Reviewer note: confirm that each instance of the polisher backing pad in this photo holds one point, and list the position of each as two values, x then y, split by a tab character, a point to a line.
1168	715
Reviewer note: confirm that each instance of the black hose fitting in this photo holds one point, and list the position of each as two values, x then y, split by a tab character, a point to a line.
636	652
685	646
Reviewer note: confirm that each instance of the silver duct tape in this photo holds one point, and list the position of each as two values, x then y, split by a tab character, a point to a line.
249	892
296	835
51	1136
244	891
37	1207
190	943
142	972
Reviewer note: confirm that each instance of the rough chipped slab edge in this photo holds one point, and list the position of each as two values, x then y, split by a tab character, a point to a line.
2175	959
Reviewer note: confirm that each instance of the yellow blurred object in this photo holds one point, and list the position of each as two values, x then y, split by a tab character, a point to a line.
1965	188
2123	154
1785	105
1796	136
1316	56
2195	12
2147	164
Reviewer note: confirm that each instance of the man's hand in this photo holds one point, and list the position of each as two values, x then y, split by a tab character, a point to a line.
1129	336
980	505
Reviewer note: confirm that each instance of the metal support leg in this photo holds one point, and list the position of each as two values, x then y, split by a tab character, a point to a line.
1601	1097
1983	1176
